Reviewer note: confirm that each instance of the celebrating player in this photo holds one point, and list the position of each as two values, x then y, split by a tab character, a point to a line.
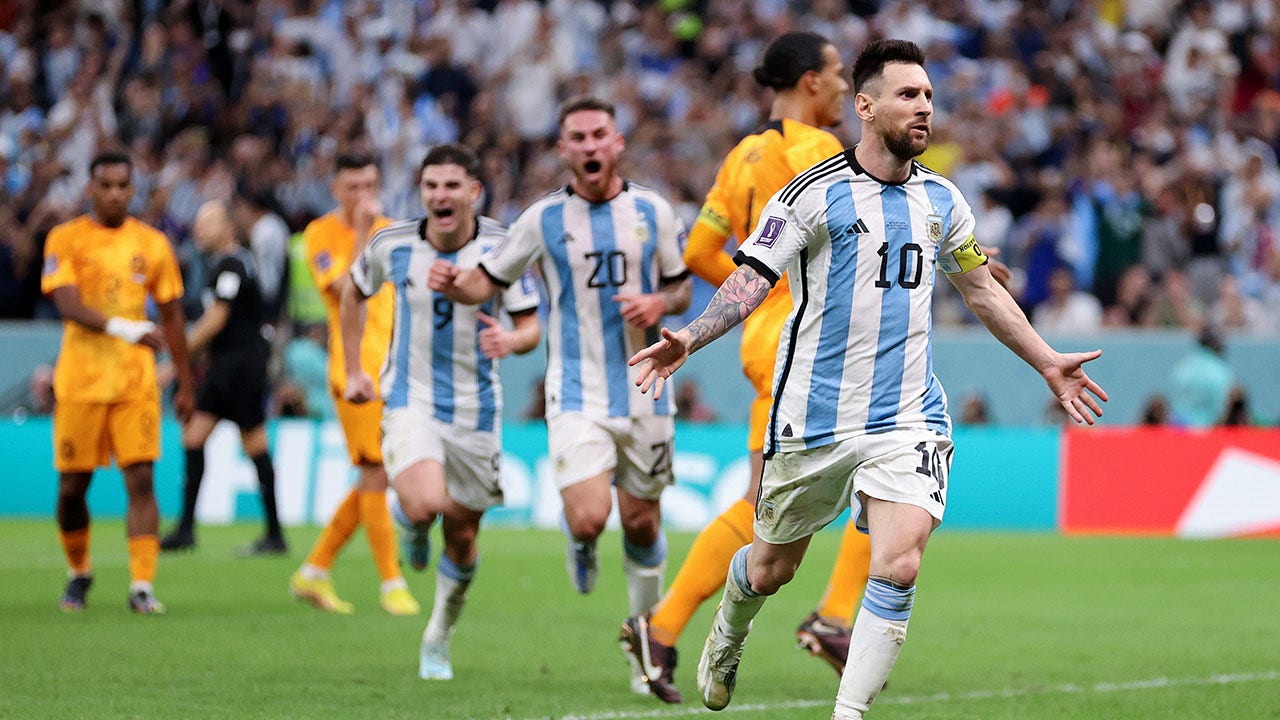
441	439
857	410
806	72
610	252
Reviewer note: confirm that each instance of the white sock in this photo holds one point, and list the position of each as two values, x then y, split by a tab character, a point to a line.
739	604
452	582
873	646
312	572
393	584
137	585
645	568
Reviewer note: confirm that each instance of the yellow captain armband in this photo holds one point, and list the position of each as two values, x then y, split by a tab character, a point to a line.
717	221
963	259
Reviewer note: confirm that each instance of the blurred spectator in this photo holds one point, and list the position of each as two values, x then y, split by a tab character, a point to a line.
690	406
1066	310
1155	412
1200	384
304	389
1133	300
1237	413
1174	305
974	409
1233	311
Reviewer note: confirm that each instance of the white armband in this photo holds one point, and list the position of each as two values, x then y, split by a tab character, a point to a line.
131	331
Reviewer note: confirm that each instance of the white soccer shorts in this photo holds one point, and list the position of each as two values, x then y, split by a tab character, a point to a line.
471	458
638	451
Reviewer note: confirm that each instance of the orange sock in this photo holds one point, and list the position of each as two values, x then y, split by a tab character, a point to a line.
382	536
848	577
75	545
144	550
703	571
336	533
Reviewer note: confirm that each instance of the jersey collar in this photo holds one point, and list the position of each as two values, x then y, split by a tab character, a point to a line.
852	159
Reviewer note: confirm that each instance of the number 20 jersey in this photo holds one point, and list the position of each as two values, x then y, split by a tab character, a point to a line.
856	355
590	253
435	360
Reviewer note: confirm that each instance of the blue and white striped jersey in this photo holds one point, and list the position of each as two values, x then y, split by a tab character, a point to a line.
434	359
588	253
855	355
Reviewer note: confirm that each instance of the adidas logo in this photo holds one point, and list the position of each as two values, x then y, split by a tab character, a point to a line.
858	228
786	431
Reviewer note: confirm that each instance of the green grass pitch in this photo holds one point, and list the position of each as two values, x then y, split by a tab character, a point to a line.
1005	626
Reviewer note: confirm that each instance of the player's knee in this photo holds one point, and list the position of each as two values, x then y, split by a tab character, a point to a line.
417	508
767	578
462	539
585	523
641	527
903	569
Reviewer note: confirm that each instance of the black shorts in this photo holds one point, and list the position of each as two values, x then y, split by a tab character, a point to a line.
235	388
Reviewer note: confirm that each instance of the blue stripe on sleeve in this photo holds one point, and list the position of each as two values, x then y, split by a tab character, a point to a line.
566	299
837	307
614	328
895	314
398	395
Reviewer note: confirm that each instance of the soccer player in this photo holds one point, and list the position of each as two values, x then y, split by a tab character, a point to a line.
857	410
610	251
806	73
332	241
99	269
441	426
235	387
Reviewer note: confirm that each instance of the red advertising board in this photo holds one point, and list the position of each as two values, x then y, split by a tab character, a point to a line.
1167	481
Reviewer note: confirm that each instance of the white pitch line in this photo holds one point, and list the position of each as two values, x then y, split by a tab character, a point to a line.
1068	689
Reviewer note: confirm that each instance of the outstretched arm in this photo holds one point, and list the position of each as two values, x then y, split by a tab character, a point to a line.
1063	372
740	294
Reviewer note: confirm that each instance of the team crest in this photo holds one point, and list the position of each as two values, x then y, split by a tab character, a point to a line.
324	261
935	228
50	265
766	513
642	234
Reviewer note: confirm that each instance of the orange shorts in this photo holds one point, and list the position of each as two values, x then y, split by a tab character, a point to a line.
87	435
362	426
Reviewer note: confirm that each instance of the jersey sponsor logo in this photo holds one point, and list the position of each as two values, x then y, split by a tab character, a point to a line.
50	265
772	230
324	261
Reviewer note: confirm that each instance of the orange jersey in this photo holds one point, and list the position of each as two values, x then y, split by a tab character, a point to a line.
759	166
115	269
329	243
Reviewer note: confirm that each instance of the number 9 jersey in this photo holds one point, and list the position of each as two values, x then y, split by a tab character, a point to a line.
590	254
435	361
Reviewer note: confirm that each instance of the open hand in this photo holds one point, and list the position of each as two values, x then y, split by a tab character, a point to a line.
660	360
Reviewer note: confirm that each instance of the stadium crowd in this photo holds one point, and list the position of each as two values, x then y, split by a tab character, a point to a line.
1121	156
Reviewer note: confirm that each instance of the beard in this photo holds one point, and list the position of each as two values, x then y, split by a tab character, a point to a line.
900	143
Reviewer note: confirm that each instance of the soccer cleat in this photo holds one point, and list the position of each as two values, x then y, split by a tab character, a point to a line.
263	546
73	598
718	668
651	661
826	640
319	593
178	540
415	544
398	601
433	661
581	562
142	602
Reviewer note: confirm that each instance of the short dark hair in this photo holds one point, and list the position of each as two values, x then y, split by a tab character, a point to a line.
110	157
876	55
452	154
788	58
584	102
353	161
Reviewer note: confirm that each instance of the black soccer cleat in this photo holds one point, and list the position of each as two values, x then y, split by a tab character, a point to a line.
178	540
652	660
264	546
825	640
73	598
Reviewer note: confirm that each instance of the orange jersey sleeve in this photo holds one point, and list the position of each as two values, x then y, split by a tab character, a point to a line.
329	243
760	165
114	270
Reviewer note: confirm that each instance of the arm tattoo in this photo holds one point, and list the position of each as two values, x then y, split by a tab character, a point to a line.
740	294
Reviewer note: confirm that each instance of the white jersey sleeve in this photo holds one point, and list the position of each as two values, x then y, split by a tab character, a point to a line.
776	240
522	247
672	238
369	271
521	295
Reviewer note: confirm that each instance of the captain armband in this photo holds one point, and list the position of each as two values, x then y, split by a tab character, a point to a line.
963	259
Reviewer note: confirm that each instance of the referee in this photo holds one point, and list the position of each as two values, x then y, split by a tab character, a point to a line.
235	386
